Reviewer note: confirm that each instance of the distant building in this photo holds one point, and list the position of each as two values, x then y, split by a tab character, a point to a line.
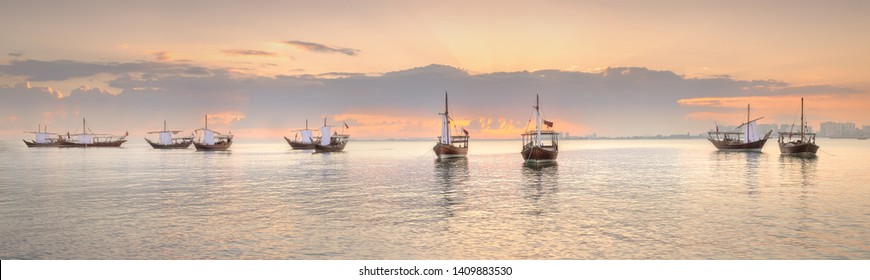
764	128
836	129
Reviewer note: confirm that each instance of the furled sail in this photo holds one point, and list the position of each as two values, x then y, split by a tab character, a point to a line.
41	137
324	136
445	129
751	133
86	139
306	136
165	138
208	137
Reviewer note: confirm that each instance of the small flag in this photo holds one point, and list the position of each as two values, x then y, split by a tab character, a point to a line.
465	131
345	126
126	133
548	123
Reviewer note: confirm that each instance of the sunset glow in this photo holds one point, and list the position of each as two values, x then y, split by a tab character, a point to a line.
613	69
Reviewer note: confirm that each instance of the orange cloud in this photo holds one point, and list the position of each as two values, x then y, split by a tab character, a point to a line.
388	126
225	118
779	109
392	126
49	90
162	56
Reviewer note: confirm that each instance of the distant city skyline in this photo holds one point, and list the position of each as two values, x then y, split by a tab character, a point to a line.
260	69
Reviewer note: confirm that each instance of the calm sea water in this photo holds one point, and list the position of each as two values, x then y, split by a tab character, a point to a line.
605	199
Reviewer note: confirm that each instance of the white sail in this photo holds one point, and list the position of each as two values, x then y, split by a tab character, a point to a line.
86	139
165	138
324	136
41	137
306	136
445	129
751	132
208	137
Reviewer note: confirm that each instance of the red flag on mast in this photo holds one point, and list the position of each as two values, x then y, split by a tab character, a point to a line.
345	126
548	123
465	131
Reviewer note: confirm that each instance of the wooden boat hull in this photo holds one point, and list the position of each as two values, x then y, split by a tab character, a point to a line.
296	145
109	144
798	149
738	146
182	145
537	153
219	146
33	144
332	148
449	151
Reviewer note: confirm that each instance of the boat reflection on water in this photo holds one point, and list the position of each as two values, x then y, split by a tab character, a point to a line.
541	165
746	163
803	167
542	183
451	174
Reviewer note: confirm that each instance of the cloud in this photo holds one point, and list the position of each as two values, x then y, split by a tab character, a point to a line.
61	70
399	104
336	75
225	117
245	52
315	47
45	90
88	90
162	56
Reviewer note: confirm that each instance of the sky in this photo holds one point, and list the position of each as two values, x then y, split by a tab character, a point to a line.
260	68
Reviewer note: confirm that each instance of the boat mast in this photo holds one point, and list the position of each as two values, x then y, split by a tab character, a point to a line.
446	120
306	123
538	118
206	121
445	102
164	125
445	124
84	127
802	119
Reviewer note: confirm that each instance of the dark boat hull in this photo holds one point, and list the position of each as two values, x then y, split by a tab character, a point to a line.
33	144
219	146
798	149
539	154
731	146
332	148
296	145
182	145
449	151
110	144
